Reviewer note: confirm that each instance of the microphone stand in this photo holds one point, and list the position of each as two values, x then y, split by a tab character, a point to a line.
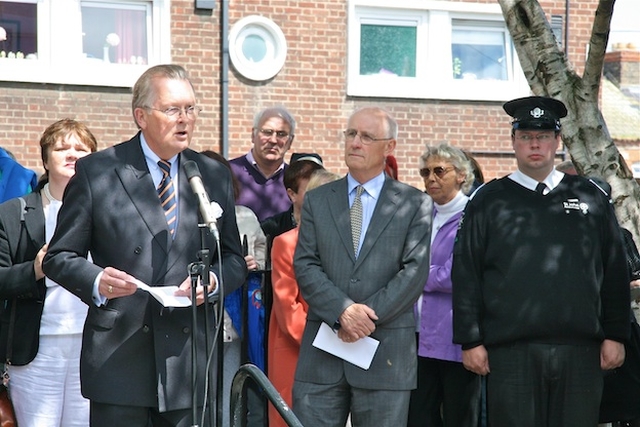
195	269
200	270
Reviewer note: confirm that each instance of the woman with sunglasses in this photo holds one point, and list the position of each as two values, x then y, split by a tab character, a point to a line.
447	393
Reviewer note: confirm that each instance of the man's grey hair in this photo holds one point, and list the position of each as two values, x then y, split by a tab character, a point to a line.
391	124
143	91
277	111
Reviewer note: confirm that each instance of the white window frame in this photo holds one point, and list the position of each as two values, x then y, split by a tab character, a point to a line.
434	22
60	58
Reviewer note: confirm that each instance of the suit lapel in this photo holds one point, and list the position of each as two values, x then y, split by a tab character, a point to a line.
138	186
188	221
34	219
339	208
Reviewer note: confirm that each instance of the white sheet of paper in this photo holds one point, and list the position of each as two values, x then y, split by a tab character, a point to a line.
360	353
165	294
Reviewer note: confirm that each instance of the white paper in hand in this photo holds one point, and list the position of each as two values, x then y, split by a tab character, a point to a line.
165	294
360	353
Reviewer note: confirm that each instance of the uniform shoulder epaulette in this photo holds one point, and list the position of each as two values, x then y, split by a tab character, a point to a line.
601	185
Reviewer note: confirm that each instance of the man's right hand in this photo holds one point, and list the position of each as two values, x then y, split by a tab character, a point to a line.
356	322
476	360
115	283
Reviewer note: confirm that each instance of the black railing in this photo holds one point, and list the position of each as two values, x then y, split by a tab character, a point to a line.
238	403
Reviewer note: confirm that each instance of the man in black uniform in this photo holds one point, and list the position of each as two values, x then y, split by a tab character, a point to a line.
540	284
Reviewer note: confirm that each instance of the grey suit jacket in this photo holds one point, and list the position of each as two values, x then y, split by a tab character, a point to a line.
135	352
388	276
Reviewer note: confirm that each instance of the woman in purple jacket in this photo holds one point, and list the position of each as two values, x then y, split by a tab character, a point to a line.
447	394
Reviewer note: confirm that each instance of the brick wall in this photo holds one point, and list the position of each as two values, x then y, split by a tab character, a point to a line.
311	84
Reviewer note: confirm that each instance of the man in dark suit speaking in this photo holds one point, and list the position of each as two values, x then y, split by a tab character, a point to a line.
361	261
132	208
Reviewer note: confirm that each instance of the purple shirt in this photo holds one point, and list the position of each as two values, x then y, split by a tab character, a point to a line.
436	323
264	196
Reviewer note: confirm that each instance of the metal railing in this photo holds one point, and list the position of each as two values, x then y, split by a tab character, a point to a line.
238	403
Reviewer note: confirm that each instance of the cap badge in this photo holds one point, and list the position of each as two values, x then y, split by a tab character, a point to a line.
536	113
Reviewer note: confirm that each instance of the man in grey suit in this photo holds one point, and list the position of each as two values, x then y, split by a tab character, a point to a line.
361	281
136	355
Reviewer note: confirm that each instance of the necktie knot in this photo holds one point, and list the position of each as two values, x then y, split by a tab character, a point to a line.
540	188
165	167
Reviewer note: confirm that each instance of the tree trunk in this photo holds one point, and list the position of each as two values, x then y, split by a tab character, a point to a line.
584	130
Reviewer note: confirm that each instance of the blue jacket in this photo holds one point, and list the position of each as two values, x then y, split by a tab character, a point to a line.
15	179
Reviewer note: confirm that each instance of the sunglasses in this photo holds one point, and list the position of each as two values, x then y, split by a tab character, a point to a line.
438	171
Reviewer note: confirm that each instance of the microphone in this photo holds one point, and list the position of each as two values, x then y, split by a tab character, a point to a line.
195	180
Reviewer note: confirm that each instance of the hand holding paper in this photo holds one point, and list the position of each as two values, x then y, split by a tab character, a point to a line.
360	353
165	294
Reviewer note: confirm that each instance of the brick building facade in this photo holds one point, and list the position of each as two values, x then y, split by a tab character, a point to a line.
313	84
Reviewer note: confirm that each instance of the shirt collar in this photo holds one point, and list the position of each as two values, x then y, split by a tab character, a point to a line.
551	181
252	162
373	187
152	158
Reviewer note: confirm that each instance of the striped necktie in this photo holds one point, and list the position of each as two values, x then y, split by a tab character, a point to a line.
356	219
167	195
540	188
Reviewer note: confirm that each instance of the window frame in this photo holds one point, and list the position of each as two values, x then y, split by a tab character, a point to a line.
435	22
62	20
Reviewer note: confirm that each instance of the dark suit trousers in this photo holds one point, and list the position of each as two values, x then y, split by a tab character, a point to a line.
447	395
544	385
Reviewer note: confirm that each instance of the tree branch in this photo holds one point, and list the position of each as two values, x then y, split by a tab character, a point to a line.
597	47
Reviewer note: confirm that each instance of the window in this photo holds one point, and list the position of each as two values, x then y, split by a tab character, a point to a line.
478	51
389	49
82	42
431	49
115	33
19	34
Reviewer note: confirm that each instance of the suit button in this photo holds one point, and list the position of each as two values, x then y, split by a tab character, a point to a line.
145	328
137	250
185	330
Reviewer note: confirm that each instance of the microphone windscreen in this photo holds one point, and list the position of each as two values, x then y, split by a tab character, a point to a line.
191	169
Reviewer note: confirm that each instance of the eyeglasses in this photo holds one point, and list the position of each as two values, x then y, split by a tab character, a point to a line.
438	171
190	112
366	139
543	137
280	134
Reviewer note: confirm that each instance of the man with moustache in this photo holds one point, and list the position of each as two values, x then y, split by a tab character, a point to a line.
261	171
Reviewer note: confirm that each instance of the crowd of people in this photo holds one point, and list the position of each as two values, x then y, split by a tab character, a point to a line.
371	302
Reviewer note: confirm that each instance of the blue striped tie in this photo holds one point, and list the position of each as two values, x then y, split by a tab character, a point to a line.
167	195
